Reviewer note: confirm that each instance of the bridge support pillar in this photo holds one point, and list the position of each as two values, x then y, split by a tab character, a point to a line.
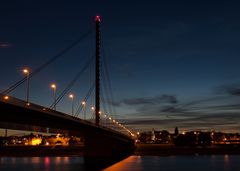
102	151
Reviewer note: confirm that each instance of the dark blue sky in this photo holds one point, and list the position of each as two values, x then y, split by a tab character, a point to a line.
171	63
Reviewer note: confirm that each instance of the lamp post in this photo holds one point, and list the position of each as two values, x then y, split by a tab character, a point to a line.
54	87
84	109
93	110
71	96
26	72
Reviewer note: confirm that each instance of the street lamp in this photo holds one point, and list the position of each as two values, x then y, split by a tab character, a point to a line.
6	97
93	110
71	96
26	72
84	109
54	87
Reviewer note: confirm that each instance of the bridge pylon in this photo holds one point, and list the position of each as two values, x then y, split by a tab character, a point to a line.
97	70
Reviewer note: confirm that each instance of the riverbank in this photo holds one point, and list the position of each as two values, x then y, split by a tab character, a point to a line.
38	151
141	150
166	150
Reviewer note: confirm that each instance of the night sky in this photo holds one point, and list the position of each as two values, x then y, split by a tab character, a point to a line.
171	63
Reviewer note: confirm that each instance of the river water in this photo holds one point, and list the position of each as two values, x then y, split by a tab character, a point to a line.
132	163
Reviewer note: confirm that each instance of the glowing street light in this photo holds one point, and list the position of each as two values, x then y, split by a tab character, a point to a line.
6	97
54	87
26	72
71	96
84	109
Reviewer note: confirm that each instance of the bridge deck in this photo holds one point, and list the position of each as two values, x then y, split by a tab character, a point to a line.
16	113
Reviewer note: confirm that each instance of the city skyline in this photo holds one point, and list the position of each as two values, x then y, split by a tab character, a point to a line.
172	64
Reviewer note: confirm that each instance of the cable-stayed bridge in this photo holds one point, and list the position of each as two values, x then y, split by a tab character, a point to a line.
104	136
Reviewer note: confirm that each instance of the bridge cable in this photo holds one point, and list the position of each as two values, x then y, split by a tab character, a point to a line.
43	66
80	107
105	66
73	81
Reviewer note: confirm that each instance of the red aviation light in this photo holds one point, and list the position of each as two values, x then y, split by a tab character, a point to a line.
98	18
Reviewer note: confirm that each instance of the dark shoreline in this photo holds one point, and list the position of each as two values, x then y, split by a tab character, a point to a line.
141	150
167	150
41	151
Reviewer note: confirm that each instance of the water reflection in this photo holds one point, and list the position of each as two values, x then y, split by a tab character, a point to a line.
35	160
41	163
132	163
58	160
65	160
226	162
180	163
47	161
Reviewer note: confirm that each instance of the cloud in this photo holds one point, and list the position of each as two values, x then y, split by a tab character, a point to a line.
217	113
4	45
138	101
233	89
220	121
220	112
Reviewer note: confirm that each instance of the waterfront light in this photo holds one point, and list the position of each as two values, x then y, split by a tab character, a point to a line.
36	141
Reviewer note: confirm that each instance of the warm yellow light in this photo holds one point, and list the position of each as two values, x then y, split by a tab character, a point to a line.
28	104
138	133
71	96
53	86
83	103
114	121
110	118
25	71
36	141
92	108
6	97
183	133
100	112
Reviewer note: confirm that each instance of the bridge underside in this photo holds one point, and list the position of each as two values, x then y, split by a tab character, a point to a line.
101	144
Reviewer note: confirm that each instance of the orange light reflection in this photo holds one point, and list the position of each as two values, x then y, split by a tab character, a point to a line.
130	163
